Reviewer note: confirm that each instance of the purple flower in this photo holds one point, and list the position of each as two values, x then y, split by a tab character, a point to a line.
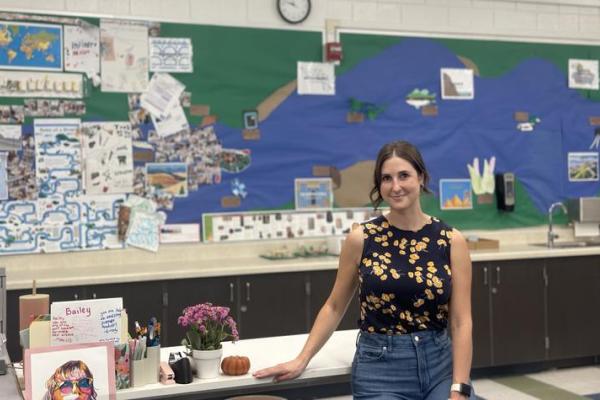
208	326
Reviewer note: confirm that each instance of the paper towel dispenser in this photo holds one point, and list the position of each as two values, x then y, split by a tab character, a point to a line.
584	209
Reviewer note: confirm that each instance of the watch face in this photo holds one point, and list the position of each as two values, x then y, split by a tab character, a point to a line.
293	11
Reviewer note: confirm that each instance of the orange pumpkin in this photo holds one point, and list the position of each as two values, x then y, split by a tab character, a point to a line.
235	365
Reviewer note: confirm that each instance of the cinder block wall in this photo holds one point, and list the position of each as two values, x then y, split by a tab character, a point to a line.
552	20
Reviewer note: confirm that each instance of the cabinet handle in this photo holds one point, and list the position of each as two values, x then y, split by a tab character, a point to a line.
247	291
497	275
231	292
93	295
485	276
76	296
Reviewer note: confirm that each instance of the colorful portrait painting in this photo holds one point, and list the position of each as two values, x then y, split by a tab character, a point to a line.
70	372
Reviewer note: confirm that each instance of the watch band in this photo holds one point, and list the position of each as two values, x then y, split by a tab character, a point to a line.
461	388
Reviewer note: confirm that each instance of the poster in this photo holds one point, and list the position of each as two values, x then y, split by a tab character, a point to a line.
316	78
10	137
82	49
168	177
108	154
583	74
583	167
90	367
41	84
144	230
313	193
457	84
456	194
86	321
123	56
30	46
170	54
162	95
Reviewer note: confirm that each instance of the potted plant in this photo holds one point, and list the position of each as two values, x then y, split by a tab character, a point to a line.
207	326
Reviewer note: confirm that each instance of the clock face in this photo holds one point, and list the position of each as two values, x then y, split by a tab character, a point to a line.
293	11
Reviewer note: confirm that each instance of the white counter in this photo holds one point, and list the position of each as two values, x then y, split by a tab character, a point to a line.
334	359
110	269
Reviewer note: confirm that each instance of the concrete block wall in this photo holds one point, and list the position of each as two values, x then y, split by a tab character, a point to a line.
532	20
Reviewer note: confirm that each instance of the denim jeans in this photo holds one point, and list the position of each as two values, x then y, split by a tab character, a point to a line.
416	366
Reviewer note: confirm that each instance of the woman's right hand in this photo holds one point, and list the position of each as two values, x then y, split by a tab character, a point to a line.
282	372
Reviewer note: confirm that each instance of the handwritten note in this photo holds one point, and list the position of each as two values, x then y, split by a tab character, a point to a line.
86	321
82	49
316	78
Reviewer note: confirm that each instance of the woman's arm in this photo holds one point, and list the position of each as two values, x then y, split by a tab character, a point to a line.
461	323
331	313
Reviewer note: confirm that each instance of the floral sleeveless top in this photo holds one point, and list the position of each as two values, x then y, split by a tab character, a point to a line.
405	277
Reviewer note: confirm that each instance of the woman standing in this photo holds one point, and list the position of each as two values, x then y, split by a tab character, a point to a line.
413	274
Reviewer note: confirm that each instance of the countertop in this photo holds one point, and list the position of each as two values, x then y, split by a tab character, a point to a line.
110	267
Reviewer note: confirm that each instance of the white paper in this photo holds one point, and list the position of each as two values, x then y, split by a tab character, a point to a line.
41	84
10	137
316	78
3	177
86	321
180	233
82	49
123	56
57	156
170	54
583	74
143	230
457	84
108	155
163	94
174	122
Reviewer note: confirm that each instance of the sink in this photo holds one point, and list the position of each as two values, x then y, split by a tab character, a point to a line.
569	245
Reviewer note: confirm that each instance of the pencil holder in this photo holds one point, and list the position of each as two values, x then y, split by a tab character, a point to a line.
138	372
152	364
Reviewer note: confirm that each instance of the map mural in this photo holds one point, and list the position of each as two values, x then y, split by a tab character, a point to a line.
30	46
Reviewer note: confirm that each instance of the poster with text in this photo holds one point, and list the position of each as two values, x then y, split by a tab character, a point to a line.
170	54
82	49
316	78
457	84
313	193
123	56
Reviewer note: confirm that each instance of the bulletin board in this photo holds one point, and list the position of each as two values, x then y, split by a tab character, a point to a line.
255	135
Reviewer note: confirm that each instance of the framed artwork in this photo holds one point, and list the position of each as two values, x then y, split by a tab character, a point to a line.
457	84
456	194
81	370
250	119
583	167
313	193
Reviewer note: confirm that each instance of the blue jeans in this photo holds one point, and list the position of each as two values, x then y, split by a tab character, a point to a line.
416	366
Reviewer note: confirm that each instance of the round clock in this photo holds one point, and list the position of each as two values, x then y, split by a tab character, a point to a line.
293	11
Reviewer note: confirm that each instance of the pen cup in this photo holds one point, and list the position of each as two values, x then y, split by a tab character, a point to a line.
152	364
138	372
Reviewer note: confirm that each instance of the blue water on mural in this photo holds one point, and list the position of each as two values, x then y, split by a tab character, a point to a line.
311	130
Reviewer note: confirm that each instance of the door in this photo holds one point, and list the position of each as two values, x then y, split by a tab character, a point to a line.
273	304
182	293
573	302
480	308
321	283
518	311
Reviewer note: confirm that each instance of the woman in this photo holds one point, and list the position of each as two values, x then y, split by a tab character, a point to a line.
413	273
72	380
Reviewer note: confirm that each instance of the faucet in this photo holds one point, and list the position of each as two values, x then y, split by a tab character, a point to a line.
551	234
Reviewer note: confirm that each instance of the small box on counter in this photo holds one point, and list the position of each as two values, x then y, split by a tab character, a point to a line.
482	244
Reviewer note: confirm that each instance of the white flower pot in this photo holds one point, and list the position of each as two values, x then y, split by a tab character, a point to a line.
208	363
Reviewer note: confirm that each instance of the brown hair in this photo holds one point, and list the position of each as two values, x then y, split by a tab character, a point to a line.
406	151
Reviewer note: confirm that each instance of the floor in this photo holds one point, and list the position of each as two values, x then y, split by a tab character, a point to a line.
563	384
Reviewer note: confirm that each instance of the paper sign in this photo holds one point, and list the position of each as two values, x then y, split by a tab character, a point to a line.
170	54
3	177
180	233
162	95
457	84
456	194
82	49
316	78
143	231
10	137
86	321
583	74
583	167
313	193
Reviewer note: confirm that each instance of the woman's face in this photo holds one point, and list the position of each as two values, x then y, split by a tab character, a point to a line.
400	183
75	385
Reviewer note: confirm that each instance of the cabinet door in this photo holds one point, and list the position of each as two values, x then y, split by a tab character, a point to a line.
480	306
142	300
273	305
321	283
518	311
182	293
12	311
573	301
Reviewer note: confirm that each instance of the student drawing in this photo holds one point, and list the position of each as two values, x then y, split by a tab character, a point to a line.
72	380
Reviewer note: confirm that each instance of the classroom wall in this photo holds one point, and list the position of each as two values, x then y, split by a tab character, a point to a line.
553	20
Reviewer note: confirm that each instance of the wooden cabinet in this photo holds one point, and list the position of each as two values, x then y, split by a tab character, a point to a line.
321	283
481	314
573	303
518	311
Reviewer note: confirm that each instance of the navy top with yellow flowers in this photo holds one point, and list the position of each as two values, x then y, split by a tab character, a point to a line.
405	277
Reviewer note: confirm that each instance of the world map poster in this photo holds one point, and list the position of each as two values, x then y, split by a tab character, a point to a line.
30	46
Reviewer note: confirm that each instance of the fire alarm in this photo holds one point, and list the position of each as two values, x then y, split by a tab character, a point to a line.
333	51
